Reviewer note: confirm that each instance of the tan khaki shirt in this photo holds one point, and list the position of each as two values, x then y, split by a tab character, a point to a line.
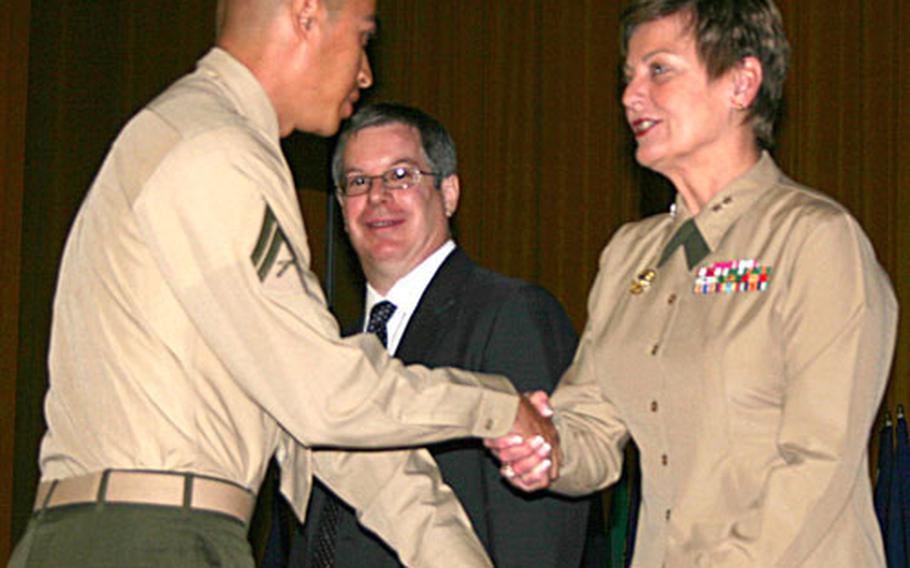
752	408
189	333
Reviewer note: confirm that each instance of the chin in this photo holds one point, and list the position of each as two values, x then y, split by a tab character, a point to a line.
646	158
329	129
653	158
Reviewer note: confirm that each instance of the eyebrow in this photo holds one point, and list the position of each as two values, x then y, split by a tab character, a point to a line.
391	166
658	51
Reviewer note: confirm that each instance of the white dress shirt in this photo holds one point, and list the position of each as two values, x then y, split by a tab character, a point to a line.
406	294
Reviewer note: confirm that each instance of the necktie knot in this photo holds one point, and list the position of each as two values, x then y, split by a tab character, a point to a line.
379	317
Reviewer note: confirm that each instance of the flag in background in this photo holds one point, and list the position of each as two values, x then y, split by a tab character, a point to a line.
899	509
885	465
623	518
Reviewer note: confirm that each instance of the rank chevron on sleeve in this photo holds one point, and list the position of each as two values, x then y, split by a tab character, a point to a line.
268	245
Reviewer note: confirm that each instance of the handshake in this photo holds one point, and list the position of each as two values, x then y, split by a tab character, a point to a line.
530	451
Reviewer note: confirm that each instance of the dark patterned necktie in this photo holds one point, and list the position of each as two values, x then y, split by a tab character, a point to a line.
379	317
324	552
689	237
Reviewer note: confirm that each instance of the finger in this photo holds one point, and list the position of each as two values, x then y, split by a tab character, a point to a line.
503	442
541	446
526	466
521	484
537	479
541	402
553	472
518	453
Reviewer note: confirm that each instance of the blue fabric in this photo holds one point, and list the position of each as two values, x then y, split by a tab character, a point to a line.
899	510
883	476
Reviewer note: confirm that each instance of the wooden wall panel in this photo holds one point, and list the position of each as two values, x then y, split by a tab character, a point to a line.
844	130
899	91
588	183
14	16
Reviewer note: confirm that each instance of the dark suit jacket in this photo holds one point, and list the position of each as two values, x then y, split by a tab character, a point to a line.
475	319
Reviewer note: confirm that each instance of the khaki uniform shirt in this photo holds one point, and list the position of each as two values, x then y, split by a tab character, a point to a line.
189	333
752	408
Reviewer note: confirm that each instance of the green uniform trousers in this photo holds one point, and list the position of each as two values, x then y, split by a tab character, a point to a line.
94	535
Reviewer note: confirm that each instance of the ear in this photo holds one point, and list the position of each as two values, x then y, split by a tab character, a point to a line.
747	79
304	14
450	189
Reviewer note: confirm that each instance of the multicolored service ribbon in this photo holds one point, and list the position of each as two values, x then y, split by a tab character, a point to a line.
728	277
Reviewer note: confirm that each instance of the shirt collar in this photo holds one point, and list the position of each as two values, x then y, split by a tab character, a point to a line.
729	204
406	293
242	88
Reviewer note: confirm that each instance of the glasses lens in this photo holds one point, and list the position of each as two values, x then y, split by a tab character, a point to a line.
401	177
355	184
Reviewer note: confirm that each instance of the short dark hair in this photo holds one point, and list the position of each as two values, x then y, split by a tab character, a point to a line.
437	145
726	31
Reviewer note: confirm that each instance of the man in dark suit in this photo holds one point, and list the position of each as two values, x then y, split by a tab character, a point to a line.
395	169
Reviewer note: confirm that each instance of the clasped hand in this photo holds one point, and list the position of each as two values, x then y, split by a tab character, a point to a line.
530	451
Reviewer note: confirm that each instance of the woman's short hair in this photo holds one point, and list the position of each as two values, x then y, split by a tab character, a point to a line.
726	31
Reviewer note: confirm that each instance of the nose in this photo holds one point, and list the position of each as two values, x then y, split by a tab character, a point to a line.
377	192
365	75
632	94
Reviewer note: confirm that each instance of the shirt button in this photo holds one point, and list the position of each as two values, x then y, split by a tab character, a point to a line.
655	349
667	514
671	299
664	459
489	424
653	406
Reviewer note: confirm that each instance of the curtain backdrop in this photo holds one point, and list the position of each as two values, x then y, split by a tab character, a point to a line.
529	91
14	29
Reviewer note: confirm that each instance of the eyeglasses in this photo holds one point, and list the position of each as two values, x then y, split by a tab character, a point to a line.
399	177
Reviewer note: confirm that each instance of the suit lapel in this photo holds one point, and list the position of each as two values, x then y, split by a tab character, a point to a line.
437	309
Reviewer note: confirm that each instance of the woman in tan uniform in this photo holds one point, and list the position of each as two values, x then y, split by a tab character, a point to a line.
743	339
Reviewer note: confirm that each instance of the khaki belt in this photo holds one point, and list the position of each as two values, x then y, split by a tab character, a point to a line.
168	489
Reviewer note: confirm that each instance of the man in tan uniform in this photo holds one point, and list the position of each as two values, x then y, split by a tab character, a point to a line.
191	341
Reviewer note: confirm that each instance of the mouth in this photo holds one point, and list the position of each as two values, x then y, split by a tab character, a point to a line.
642	126
380	224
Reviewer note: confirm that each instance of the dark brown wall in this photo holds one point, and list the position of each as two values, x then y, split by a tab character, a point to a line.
14	15
528	89
846	128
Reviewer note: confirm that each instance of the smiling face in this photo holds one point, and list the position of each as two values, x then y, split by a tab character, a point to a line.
393	231
680	117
